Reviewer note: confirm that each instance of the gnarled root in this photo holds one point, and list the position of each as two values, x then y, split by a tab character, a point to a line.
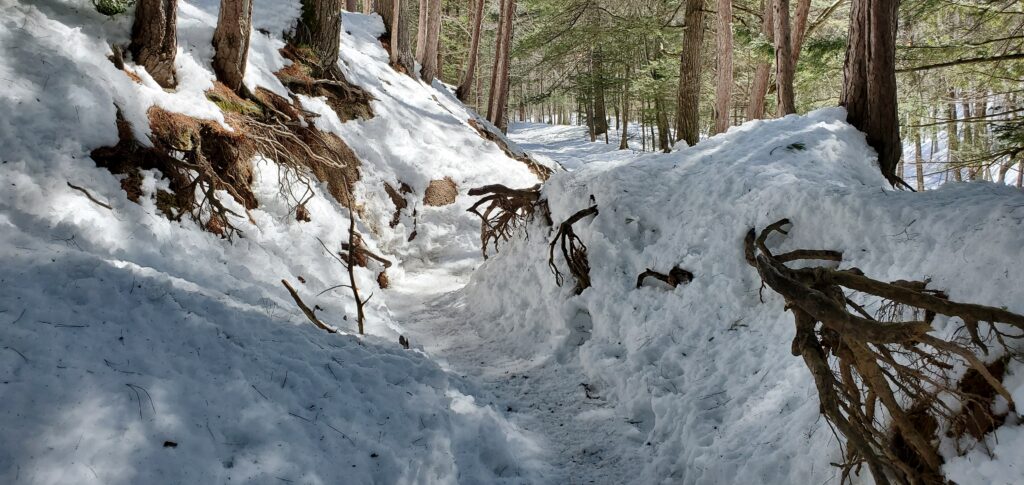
573	251
506	210
869	366
674	278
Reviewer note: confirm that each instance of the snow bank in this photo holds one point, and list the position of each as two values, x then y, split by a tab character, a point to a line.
134	349
704	371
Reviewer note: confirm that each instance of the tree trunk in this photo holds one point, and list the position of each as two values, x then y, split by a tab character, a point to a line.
623	134
952	138
723	91
869	80
597	78
476	18
688	105
231	42
352	5
320	29
918	159
154	39
663	130
367	6
498	102
803	11
401	41
784	59
431	35
762	74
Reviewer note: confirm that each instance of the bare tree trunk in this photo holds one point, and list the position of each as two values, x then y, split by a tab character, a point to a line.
498	101
663	129
154	39
476	18
952	138
421	30
597	78
723	91
352	5
367	6
1020	173
803	11
320	29
231	42
431	37
918	159
869	80
688	106
784	59
623	134
755	108
401	41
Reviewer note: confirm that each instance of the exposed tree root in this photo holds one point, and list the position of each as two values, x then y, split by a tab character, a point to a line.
573	251
506	210
889	384
674	278
346	99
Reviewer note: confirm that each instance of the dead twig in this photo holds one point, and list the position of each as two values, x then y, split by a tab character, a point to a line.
306	310
90	197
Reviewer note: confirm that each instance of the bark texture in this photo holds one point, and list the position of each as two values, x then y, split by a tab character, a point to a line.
688	107
763	72
401	41
869	80
466	86
320	29
231	42
498	101
723	90
431	36
154	39
783	60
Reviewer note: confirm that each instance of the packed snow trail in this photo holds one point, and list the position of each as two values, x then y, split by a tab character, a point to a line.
547	394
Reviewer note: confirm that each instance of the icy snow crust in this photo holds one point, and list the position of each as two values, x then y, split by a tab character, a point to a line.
121	330
703	372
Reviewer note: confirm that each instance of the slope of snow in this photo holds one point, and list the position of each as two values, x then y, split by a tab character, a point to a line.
121	330
703	372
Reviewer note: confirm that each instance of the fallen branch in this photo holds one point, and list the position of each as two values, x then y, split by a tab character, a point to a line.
306	310
90	197
573	251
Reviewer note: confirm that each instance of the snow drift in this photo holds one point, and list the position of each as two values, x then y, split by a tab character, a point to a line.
703	372
135	349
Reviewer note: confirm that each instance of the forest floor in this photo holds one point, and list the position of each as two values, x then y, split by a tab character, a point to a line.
582	438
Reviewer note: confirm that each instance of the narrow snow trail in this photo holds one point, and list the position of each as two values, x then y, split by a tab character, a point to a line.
585	441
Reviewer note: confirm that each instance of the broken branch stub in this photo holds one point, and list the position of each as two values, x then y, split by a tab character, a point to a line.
866	367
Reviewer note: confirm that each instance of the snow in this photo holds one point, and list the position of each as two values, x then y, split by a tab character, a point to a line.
704	370
134	349
122	330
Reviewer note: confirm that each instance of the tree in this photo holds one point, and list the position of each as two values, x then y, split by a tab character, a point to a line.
623	135
319	29
154	39
430	28
762	73
476	19
498	102
395	14
688	105
231	42
869	80
723	90
783	60
352	5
